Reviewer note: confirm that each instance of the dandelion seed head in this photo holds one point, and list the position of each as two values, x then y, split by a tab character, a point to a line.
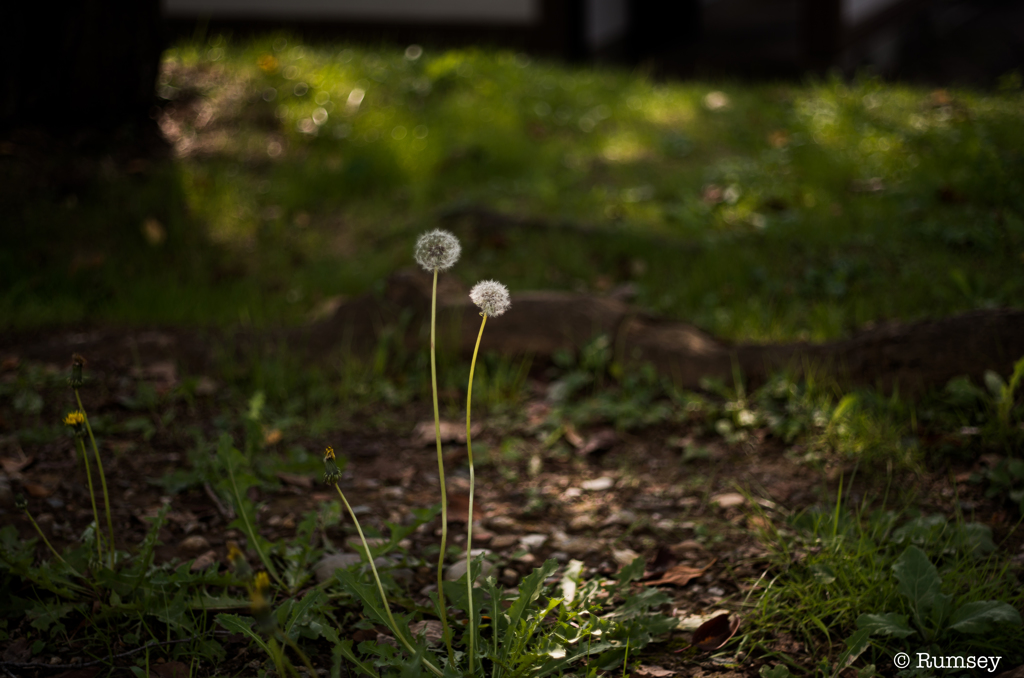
491	296
437	250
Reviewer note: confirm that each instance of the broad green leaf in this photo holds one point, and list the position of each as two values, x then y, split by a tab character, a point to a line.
890	624
303	616
777	671
918	578
974	538
44	615
979	616
941	603
632	572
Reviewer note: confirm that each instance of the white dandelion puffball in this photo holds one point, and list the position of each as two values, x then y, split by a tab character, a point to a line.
491	296
437	250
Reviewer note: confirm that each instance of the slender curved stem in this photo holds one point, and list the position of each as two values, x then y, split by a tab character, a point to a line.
442	611
472	488
250	530
92	496
380	588
50	546
103	478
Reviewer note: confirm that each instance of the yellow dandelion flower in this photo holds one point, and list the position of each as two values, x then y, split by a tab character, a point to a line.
262	581
76	418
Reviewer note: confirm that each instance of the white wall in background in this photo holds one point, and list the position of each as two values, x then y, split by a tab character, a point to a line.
432	11
606	21
856	11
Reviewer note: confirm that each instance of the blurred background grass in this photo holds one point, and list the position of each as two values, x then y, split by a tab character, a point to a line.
300	174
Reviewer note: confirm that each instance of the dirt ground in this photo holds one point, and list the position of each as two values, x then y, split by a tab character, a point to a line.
600	496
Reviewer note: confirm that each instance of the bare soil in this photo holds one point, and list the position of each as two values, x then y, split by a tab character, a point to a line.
600	496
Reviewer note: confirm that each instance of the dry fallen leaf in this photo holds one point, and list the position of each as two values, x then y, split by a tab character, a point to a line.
12	467
653	672
685	548
163	373
36	490
170	670
204	561
680	575
536	413
458	507
451	431
295	479
206	386
715	632
574	438
430	629
87	672
119	447
600	441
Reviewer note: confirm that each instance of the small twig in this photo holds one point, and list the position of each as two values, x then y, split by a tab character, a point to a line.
36	665
225	511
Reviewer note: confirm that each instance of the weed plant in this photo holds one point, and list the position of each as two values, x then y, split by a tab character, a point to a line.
847	579
520	644
830	568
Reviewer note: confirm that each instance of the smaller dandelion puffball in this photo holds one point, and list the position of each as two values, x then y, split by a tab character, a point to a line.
437	250
491	296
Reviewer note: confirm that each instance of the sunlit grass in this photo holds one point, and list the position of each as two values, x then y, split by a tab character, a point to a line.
764	212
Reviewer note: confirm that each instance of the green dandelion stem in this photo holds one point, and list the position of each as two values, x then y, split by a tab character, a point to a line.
442	612
380	588
103	478
50	546
92	495
472	489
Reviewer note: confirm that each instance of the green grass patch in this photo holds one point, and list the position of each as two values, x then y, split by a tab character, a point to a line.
762	212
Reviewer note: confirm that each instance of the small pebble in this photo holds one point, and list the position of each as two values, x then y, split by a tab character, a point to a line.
624	517
625	556
194	543
582	522
502	523
503	541
458	569
533	541
598	484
